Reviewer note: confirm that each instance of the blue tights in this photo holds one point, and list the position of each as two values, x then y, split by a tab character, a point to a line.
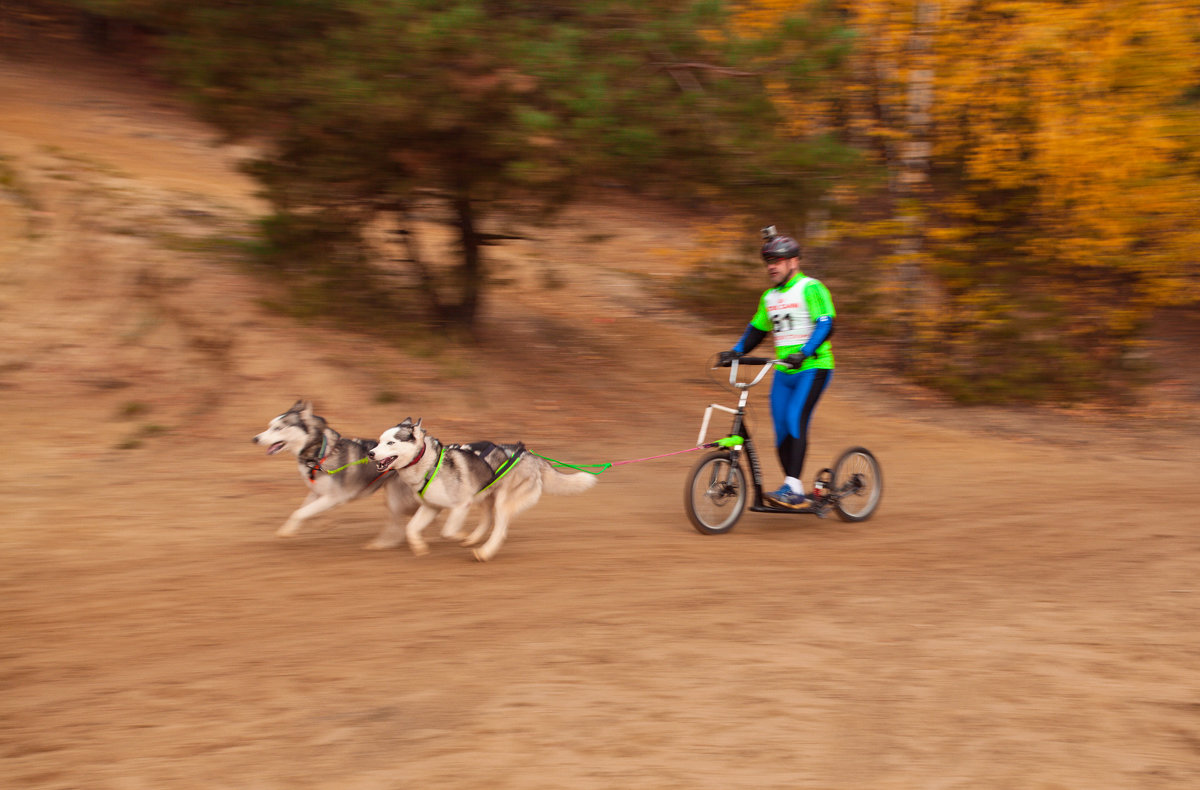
794	396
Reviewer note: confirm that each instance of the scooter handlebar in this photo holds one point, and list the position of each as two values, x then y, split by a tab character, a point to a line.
747	361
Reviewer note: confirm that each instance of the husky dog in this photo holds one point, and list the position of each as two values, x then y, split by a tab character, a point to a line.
336	469
453	477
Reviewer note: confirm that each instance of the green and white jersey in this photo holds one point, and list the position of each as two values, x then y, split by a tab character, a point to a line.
790	312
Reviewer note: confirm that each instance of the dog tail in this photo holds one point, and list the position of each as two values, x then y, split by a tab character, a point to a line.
555	482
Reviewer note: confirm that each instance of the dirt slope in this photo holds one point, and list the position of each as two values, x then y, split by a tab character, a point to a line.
1022	613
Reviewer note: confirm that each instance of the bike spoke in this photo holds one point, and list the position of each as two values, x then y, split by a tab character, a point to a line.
716	495
857	485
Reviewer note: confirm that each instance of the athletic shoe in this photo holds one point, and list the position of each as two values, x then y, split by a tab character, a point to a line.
785	497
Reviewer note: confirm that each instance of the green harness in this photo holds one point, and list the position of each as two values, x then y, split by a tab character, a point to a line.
497	473
432	472
315	464
506	467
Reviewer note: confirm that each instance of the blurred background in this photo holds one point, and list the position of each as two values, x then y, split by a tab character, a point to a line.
1004	194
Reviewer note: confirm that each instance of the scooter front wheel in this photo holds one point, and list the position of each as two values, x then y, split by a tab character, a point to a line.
715	494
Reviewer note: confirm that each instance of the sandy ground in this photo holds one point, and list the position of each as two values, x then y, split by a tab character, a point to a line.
1020	614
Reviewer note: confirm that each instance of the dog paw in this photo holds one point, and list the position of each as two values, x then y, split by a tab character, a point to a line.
380	545
419	549
286	531
468	542
480	556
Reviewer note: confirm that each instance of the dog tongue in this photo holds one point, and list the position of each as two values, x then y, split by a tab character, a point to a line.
275	448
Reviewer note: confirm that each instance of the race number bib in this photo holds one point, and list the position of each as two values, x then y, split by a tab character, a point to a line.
791	323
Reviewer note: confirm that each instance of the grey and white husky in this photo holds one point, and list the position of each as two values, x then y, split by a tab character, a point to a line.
453	477
335	468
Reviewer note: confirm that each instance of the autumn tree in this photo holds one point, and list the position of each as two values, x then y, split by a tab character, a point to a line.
1065	169
1043	163
366	109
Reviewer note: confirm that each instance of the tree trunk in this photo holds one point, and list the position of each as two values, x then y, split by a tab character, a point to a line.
911	182
426	282
471	268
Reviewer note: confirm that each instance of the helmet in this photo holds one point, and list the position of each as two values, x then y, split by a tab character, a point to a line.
775	247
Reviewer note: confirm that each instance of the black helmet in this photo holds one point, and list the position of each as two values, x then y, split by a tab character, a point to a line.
775	246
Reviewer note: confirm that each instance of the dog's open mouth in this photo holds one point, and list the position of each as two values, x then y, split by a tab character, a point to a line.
275	448
384	463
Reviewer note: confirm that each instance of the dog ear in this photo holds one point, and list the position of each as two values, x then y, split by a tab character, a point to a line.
404	430
306	409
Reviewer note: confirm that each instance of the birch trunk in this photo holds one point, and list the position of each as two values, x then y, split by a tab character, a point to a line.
910	182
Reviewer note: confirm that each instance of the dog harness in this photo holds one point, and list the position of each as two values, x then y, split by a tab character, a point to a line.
503	468
479	450
432	472
315	465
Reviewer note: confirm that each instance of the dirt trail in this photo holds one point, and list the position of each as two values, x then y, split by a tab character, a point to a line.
1022	613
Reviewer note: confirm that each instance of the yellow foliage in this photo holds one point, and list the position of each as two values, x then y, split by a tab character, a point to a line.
1064	139
718	240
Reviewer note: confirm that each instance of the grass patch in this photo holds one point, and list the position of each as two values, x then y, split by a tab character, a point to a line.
138	437
219	247
11	182
720	292
552	280
131	409
456	368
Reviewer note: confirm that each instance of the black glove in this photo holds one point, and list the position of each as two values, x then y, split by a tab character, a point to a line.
795	360
725	357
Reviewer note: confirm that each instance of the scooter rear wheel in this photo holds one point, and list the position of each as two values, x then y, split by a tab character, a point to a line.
857	485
